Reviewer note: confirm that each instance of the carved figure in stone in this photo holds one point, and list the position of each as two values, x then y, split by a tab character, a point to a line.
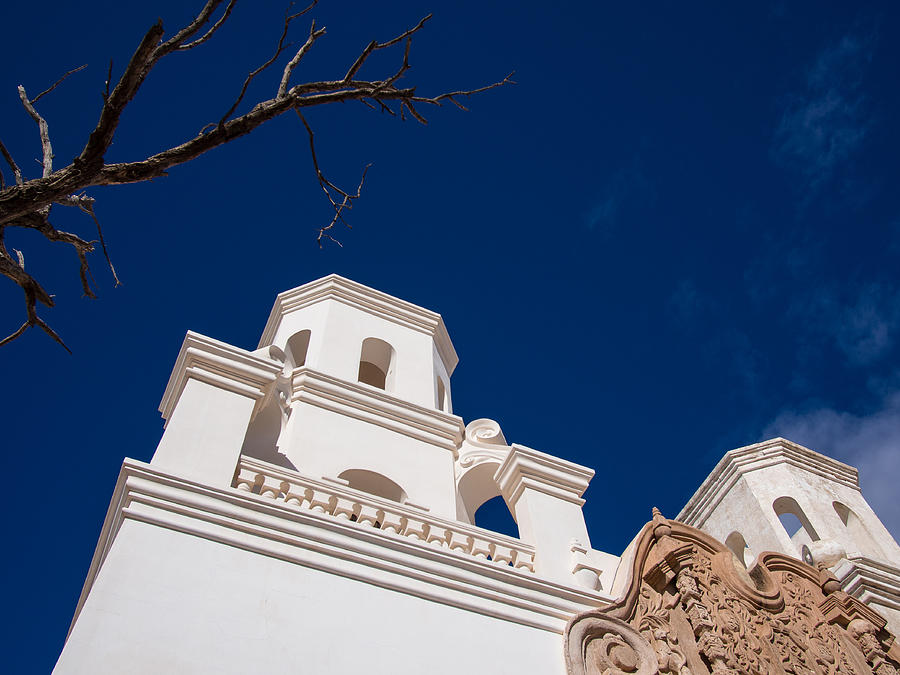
690	611
865	635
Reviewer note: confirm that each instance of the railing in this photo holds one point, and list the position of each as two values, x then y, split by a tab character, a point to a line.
366	510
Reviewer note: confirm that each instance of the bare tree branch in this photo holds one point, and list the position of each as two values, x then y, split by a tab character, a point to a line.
43	129
57	83
17	173
289	68
211	31
280	48
327	186
188	31
32	291
87	205
127	86
108	80
27	204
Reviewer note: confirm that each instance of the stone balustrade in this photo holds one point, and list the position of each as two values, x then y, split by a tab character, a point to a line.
338	501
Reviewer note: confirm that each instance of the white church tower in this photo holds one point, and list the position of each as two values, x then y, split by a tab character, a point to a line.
310	508
779	496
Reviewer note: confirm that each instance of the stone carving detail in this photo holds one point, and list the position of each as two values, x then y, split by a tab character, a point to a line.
694	608
605	646
865	635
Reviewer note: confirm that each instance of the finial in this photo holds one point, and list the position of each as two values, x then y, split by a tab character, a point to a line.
661	527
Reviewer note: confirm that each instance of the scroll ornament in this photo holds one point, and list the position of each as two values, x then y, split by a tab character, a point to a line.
692	609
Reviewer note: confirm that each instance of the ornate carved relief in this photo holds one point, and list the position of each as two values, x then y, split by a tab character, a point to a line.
692	609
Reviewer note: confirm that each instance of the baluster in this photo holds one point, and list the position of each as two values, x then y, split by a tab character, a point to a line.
300	498
391	522
502	555
481	548
368	515
415	529
269	491
244	480
321	502
437	535
525	561
457	541
345	509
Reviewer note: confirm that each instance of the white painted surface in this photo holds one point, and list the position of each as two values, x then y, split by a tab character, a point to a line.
165	602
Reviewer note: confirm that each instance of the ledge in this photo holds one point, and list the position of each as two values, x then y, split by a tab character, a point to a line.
736	463
375	406
320	541
871	581
220	365
528	468
353	294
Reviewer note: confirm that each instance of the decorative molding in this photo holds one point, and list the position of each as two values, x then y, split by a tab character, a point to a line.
527	468
741	461
375	406
302	492
339	546
484	443
690	608
353	294
871	581
220	365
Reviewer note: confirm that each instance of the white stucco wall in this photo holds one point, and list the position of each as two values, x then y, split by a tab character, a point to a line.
326	443
166	602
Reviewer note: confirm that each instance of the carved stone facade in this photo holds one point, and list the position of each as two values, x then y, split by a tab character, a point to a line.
691	608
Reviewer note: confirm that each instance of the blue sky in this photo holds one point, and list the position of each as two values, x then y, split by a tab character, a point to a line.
677	234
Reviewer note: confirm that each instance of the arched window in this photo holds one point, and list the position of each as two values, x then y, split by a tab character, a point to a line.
494	515
373	483
735	542
794	521
297	346
858	536
376	363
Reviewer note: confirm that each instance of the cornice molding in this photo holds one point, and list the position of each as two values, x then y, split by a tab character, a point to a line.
319	541
220	365
742	461
368	404
377	303
871	581
528	468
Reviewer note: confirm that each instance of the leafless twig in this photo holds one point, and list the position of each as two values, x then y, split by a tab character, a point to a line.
327	187
211	31
17	173
27	204
57	83
42	129
289	68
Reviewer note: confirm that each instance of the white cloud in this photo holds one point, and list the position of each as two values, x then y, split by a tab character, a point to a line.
866	329
871	443
860	321
825	123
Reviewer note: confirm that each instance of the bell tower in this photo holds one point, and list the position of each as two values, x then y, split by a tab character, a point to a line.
321	482
780	496
358	392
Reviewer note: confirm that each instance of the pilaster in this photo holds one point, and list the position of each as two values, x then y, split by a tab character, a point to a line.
207	406
544	493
